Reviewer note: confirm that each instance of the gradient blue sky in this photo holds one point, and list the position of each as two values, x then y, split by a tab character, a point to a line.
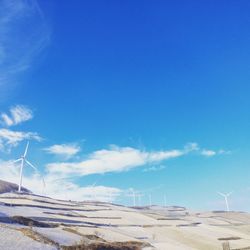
149	75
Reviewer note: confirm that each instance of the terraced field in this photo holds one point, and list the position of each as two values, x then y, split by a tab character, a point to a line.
28	221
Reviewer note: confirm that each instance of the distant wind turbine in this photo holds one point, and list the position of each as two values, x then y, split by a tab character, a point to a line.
165	200
133	195
150	200
24	161
226	199
139	195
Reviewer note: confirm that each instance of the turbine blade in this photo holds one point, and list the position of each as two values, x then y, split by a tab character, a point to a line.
221	194
64	178
31	165
229	194
17	160
26	149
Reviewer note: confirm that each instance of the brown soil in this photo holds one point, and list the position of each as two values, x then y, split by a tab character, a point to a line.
31	223
229	238
107	246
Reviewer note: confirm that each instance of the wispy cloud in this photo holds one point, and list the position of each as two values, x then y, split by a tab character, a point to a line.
191	146
20	42
154	168
10	138
64	150
224	152
210	153
194	147
114	159
60	189
18	114
69	190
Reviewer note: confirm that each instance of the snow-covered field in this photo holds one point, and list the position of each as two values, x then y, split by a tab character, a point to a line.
68	223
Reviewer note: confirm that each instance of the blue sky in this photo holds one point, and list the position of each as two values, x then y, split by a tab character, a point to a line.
127	95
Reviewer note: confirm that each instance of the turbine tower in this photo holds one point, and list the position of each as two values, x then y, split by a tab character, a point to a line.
24	161
165	200
139	195
150	200
133	195
226	199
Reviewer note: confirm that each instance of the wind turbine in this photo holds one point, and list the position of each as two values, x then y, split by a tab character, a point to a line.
226	199
24	161
133	195
165	200
150	200
139	195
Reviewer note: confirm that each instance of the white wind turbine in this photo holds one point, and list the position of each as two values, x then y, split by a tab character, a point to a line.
150	200
165	200
226	199
139	195
133	195
24	161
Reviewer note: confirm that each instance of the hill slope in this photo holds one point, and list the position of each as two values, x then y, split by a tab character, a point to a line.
28	221
7	187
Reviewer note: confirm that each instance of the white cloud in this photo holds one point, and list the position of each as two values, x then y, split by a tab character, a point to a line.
10	138
60	189
20	42
114	159
6	120
18	114
154	168
163	155
71	191
208	153
65	150
224	152
192	146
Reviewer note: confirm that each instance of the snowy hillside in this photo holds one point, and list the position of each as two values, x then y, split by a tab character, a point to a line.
28	222
6	187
